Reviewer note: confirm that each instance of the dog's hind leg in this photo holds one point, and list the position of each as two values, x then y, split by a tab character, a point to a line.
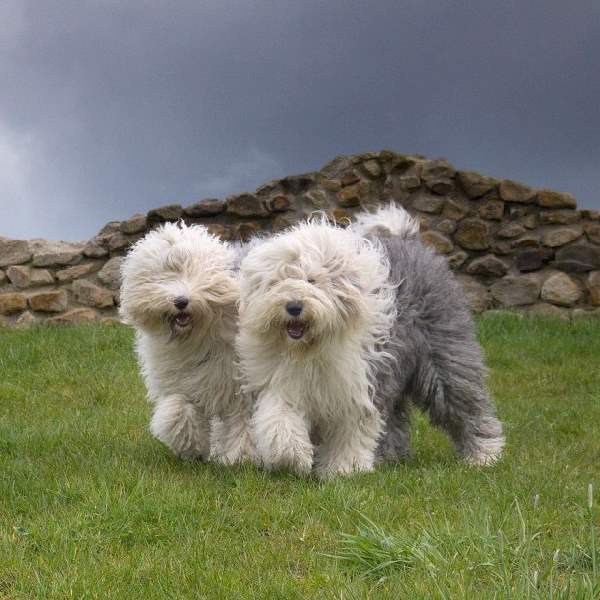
394	444
455	397
180	425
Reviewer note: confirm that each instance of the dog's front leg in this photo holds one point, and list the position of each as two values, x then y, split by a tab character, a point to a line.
281	435
182	426
231	436
349	445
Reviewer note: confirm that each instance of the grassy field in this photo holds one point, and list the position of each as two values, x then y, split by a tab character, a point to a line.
92	507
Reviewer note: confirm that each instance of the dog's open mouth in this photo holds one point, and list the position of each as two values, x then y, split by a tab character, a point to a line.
183	320
296	329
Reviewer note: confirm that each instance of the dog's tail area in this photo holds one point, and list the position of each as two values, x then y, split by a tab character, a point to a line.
388	221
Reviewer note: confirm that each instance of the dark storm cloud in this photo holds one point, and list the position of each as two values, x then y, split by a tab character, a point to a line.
110	107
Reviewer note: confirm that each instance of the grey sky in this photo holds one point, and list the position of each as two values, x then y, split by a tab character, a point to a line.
112	107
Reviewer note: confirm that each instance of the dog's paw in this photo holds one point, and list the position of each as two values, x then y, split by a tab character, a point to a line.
486	453
345	466
297	458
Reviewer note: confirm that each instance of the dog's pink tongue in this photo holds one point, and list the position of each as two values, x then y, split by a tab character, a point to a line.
295	330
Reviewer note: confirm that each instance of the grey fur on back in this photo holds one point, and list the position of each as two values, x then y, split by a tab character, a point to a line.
438	364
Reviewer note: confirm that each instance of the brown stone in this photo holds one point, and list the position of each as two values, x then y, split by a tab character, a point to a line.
561	236
559	217
209	207
372	169
592	231
297	184
516	290
281	222
438	176
340	217
110	274
456	209
90	294
527	241
456	260
593	286
349	196
440	243
582	313
500	247
2	276
316	198
53	301
409	182
552	199
49	254
24	277
401	163
71	273
350	178
221	231
11	303
476	294
246	231
74	317
118	242
429	204
246	205
592	215
492	210
561	290
135	224
473	234
110	228
512	191
331	185
488	265
170	212
533	259
511	230
14	252
279	203
474	184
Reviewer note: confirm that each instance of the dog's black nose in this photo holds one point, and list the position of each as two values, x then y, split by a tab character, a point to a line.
180	302
294	308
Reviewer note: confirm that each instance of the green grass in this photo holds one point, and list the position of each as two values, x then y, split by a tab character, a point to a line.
92	507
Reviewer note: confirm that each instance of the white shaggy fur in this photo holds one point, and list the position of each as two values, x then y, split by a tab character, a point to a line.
187	354
312	372
387	220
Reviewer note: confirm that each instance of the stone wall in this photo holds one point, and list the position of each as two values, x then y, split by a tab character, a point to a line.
511	245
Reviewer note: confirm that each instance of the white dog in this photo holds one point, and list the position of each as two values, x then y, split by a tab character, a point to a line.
315	303
180	291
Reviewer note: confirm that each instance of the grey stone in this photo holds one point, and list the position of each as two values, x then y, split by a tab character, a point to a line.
135	224
71	273
559	217
592	231
438	176
92	295
593	286
533	259
170	212
516	290
456	260
577	258
447	226
474	184
24	277
209	207
246	205
25	320
409	182
110	274
456	209
297	184
560	289
487	265
429	204
547	310
50	254
14	252
372	169
94	249
74	317
476	294
511	230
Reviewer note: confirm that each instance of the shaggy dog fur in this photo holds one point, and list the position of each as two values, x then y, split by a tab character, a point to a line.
315	307
438	364
180	292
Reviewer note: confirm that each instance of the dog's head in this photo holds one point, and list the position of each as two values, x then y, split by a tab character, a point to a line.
178	279
314	282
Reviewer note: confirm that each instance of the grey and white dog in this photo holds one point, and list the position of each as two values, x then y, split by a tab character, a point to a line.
438	364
